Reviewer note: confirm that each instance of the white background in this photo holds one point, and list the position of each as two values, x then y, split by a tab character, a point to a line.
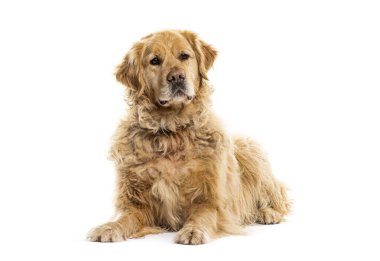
302	77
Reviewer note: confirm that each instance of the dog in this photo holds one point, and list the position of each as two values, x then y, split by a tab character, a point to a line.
177	169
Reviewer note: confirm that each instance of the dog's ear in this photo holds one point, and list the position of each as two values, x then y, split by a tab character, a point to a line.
128	72
204	52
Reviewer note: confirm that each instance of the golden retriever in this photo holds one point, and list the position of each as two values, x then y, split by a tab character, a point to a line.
177	170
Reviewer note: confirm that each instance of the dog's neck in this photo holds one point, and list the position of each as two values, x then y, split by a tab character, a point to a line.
165	121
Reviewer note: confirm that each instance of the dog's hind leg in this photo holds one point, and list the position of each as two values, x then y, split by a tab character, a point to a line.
265	197
275	204
268	216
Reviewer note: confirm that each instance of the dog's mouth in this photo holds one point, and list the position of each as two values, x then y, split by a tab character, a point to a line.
176	94
176	98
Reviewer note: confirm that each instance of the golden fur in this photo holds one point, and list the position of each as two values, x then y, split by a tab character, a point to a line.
177	168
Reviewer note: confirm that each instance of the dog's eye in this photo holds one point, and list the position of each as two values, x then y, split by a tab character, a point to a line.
155	61
184	56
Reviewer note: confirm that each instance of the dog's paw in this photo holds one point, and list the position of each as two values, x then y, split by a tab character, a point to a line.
269	216
109	232
192	236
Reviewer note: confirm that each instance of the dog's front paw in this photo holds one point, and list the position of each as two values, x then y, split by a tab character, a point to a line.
109	232
192	236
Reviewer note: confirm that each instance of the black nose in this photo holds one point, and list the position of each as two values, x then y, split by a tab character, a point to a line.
176	76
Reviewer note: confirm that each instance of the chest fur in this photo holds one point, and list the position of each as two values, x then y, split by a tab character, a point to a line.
182	145
168	172
167	188
168	193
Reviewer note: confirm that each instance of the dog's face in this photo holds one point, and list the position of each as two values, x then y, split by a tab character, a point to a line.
166	67
170	68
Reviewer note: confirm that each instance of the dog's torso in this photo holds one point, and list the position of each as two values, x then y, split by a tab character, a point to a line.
166	172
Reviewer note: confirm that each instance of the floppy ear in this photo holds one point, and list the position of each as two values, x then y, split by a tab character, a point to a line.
129	71
204	52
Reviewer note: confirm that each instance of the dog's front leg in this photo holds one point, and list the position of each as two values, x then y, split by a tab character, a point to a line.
129	223
200	227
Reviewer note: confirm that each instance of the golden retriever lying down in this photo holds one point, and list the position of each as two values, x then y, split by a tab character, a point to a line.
177	169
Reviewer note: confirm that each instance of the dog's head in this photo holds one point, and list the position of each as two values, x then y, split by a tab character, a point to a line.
167	68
